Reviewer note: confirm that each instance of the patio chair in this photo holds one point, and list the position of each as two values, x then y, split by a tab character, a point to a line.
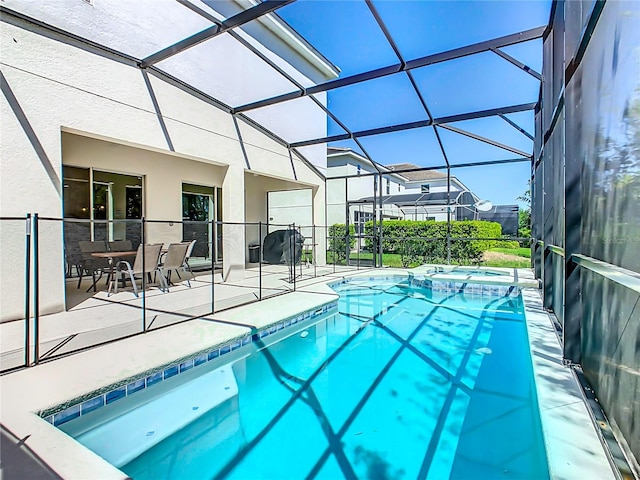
186	265
151	260
175	260
73	233
73	259
93	264
120	246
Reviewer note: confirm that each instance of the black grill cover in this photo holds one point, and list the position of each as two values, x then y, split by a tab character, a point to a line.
281	246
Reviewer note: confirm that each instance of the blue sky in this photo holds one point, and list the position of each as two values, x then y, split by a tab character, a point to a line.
346	32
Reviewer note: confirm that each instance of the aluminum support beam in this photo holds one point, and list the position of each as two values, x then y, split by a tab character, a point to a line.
400	67
622	276
440	167
389	38
480	47
448	216
278	69
517	63
396	50
572	67
31	24
419	124
486	140
516	126
40	28
441	145
385	31
574	158
232	22
380	223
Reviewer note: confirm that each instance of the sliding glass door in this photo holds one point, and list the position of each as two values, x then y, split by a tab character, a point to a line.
196	215
102	211
201	209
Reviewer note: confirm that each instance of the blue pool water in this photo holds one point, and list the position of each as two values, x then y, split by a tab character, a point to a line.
404	382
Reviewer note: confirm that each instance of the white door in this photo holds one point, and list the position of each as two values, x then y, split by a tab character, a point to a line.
291	207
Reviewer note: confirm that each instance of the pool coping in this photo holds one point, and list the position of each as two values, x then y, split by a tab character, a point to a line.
573	448
565	442
49	388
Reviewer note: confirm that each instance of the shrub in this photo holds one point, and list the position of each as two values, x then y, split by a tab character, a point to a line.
337	240
425	241
510	244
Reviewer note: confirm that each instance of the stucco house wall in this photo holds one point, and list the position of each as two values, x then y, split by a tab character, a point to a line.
346	164
67	105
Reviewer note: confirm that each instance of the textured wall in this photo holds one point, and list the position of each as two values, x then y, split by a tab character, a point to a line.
587	195
53	87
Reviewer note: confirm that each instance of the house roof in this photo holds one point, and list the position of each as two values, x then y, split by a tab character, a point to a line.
282	29
416	176
407	176
335	150
414	199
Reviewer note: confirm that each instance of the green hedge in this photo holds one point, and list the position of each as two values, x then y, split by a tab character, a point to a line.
337	241
426	241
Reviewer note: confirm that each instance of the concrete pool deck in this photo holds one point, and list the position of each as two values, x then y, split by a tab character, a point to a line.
94	318
573	447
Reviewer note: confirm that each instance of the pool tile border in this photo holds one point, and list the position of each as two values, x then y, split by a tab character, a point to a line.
63	413
466	287
474	287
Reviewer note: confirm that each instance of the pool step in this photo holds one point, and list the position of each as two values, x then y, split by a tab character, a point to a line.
123	438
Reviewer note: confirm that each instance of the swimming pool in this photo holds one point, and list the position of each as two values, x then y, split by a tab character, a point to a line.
405	382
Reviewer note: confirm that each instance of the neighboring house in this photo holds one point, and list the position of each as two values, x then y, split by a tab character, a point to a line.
354	194
426	195
90	134
410	195
425	181
429	187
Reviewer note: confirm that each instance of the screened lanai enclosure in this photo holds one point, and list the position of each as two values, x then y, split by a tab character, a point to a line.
364	133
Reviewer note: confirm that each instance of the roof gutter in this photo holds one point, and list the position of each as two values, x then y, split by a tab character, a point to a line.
293	39
383	170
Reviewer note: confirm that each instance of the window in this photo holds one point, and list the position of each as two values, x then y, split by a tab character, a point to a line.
77	198
107	196
115	199
359	219
118	197
388	186
359	169
398	187
424	188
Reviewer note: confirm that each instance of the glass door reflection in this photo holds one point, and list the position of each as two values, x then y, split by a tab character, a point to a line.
102	211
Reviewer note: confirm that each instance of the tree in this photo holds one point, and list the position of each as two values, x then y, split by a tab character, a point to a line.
524	216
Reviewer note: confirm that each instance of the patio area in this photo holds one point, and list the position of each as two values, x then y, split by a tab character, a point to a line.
97	318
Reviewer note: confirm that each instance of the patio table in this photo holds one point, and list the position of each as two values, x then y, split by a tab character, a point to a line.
111	256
